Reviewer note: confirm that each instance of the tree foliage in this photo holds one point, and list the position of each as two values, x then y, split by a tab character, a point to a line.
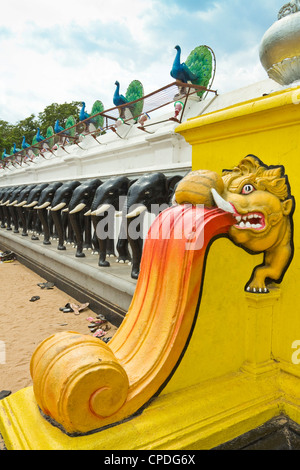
10	134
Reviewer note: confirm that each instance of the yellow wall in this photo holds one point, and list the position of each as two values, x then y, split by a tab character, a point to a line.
237	370
269	128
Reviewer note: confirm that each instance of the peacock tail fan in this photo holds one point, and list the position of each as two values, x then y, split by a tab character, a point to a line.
35	142
201	62
70	122
50	136
98	107
134	92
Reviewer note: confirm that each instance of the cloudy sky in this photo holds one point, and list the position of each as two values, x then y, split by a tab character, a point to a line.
71	50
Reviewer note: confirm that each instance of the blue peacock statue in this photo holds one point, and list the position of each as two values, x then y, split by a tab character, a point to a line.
4	155
180	71
39	137
96	121
83	114
57	127
24	144
134	92
15	150
199	68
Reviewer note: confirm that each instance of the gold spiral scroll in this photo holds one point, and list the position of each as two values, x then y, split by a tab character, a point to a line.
77	380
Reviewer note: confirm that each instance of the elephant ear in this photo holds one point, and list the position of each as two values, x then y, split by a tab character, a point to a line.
171	185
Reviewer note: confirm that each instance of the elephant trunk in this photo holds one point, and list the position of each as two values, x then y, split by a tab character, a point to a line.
134	233
57	219
78	232
14	217
2	217
134	236
23	219
102	242
7	217
87	233
42	214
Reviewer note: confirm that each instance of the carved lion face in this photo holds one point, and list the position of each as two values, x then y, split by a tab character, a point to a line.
259	199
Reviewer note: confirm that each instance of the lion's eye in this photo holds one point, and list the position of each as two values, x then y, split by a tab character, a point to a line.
248	188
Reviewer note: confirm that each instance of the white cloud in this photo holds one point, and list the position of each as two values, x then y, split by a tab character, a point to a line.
67	50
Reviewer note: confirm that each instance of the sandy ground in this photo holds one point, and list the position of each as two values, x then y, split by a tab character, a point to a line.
25	324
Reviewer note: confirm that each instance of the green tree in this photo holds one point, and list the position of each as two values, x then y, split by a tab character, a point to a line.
5	136
58	111
10	134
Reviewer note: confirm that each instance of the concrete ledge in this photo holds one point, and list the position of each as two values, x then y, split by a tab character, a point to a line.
108	290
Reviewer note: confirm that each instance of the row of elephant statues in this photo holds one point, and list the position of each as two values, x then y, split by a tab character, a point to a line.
77	212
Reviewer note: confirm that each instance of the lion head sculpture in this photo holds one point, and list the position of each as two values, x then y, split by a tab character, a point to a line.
259	198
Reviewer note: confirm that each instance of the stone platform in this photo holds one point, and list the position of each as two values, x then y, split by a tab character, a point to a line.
108	290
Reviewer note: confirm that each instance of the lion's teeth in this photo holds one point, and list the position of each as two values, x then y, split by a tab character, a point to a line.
238	218
242	224
248	225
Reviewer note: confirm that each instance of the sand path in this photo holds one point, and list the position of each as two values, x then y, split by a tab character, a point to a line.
24	324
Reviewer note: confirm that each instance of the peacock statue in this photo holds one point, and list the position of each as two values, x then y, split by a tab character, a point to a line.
39	137
83	114
96	121
4	155
180	71
57	127
14	149
36	140
199	68
24	144
134	92
67	133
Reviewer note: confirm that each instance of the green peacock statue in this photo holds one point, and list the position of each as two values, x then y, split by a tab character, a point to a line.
199	68
93	122
134	92
97	121
50	136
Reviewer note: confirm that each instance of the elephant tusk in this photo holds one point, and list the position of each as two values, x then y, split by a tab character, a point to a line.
101	209
5	203
78	208
32	204
65	210
58	207
88	213
139	210
21	204
13	203
221	203
43	206
118	213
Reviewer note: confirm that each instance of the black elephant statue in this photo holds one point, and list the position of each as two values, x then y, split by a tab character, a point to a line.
80	203
152	192
44	214
33	221
61	201
22	213
2	211
110	197
12	209
6	222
